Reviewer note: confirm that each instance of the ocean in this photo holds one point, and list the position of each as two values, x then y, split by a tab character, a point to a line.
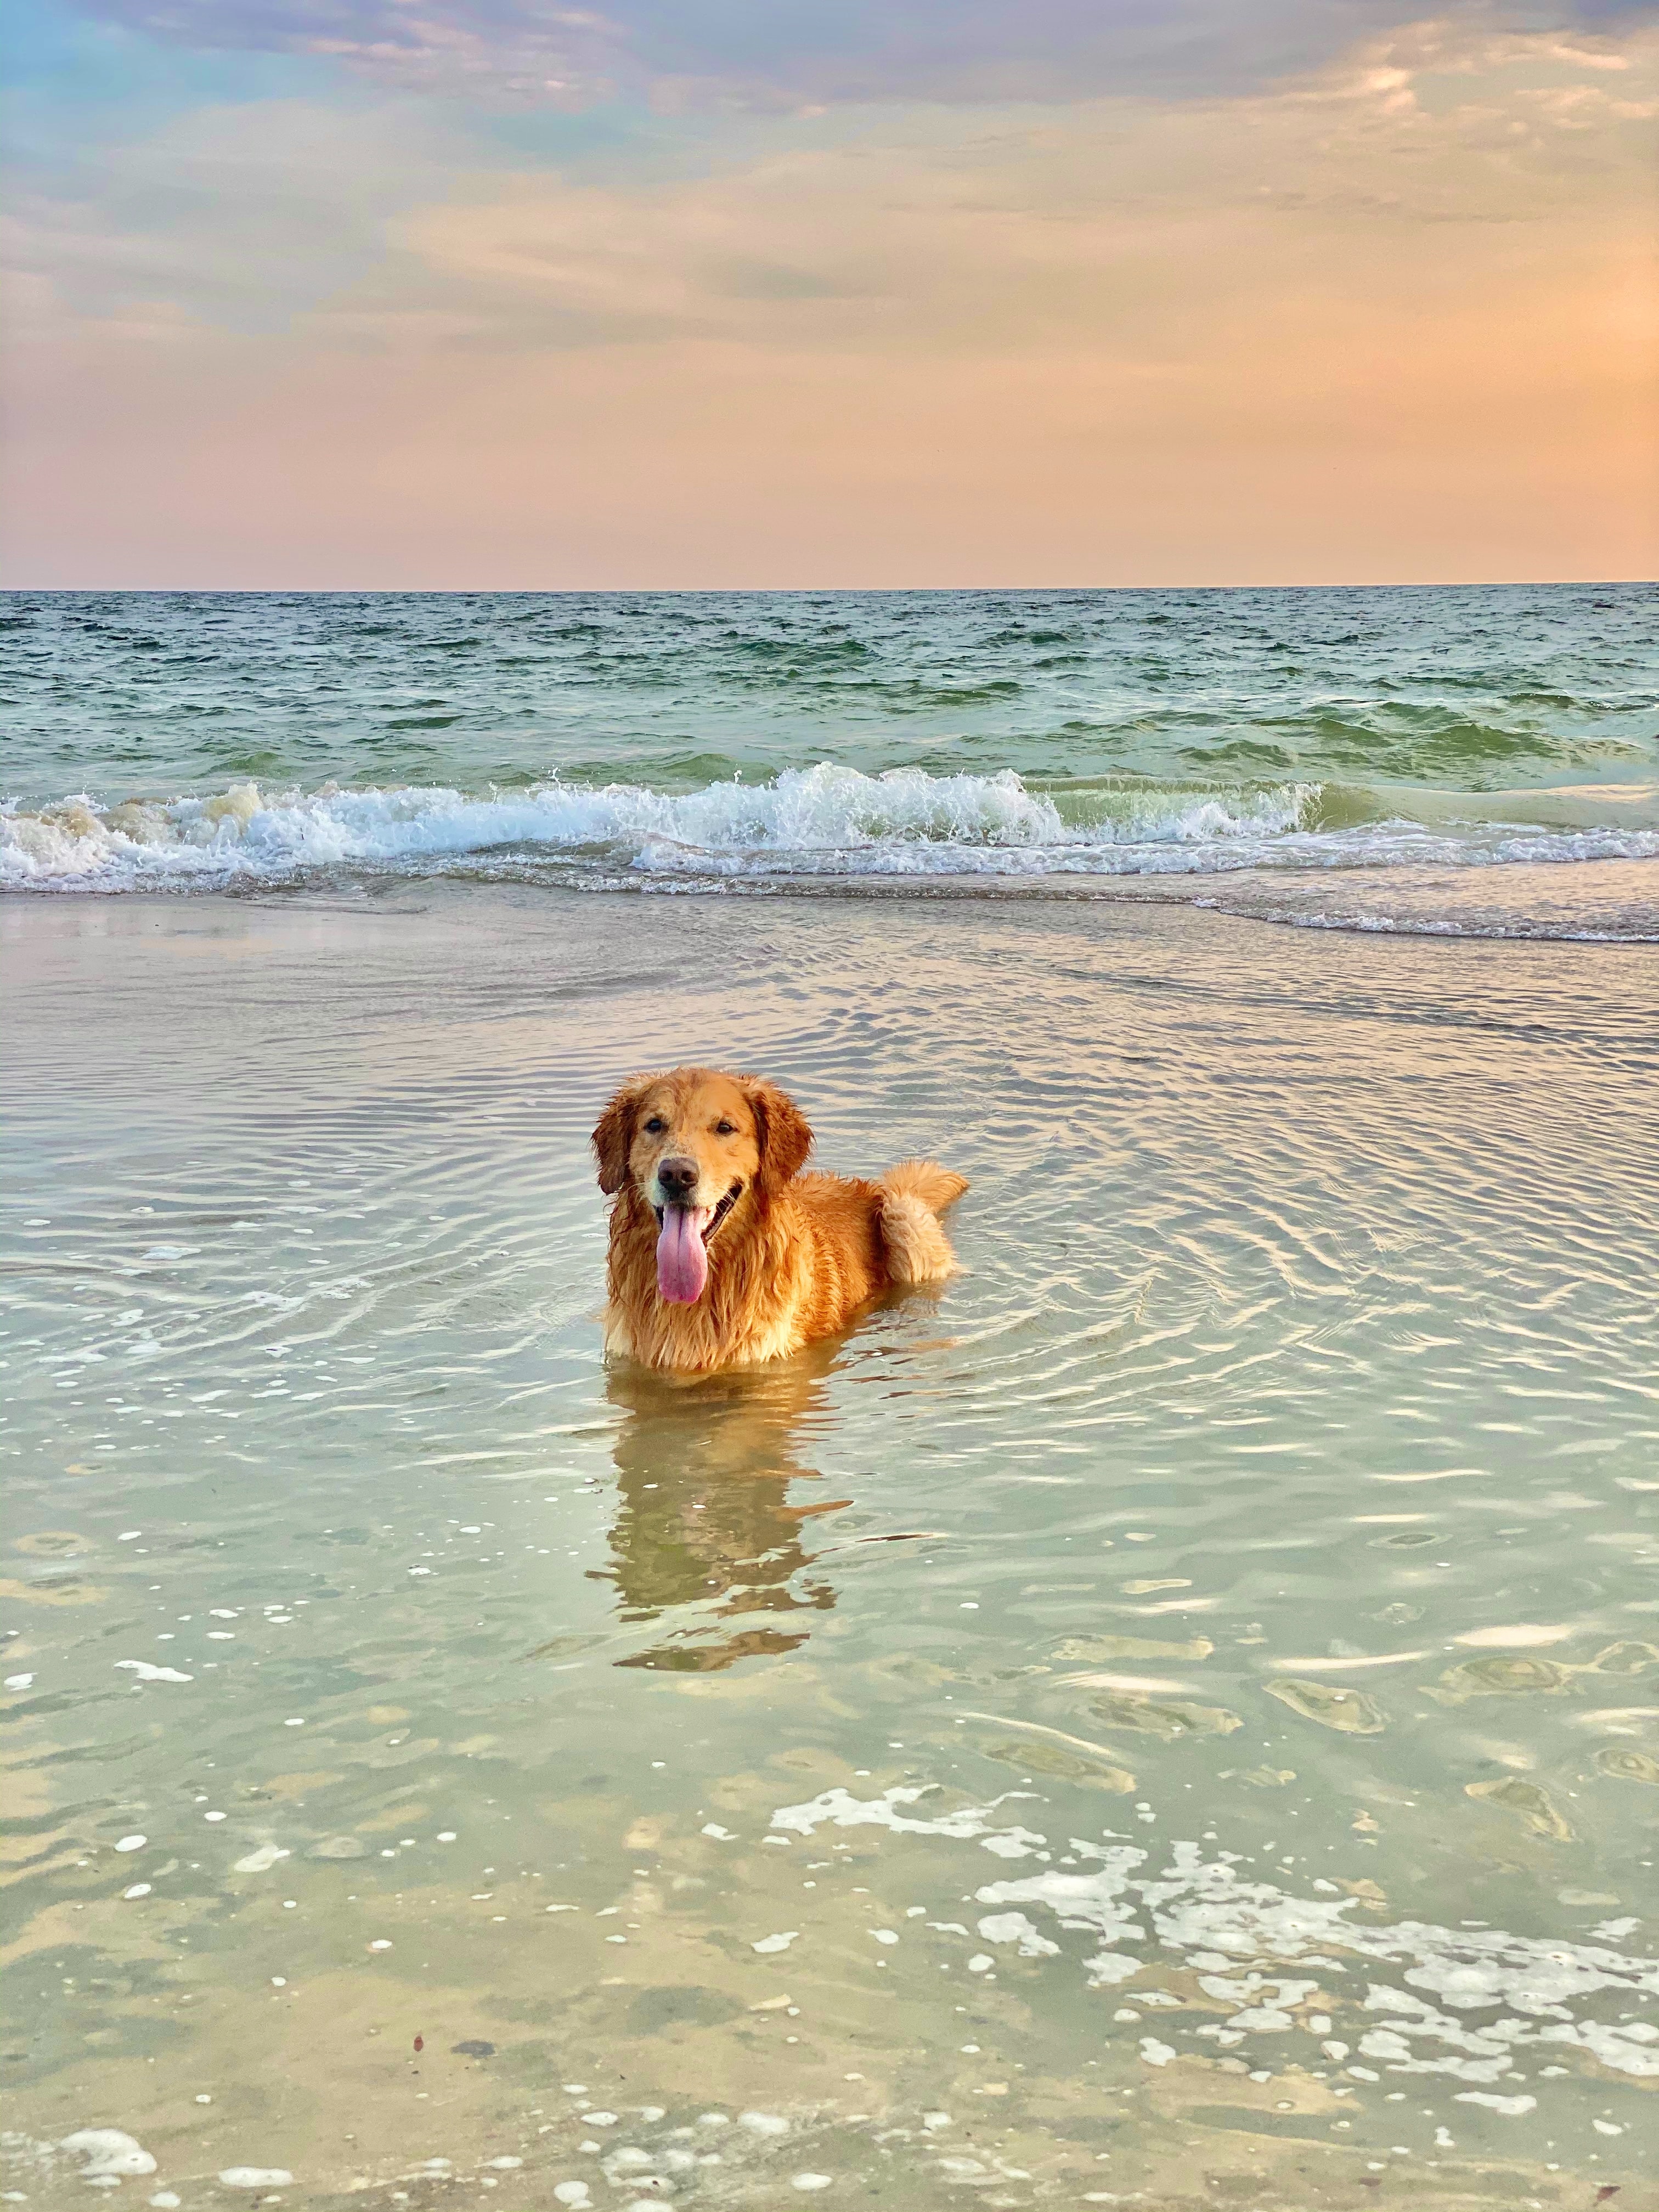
443	1768
1342	756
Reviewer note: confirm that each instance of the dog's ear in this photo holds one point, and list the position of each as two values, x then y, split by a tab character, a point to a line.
613	1136
782	1127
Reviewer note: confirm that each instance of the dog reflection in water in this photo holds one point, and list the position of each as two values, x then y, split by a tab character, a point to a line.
704	1518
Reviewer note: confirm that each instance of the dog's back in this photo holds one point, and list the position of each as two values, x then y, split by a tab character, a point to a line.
847	1240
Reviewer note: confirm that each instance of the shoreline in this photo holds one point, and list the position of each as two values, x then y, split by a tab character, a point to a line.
1606	902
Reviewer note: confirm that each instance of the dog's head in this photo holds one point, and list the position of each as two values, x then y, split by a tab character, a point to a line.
693	1143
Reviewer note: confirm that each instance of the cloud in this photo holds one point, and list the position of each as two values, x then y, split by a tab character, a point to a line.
789	53
1021	227
242	215
1018	231
1390	321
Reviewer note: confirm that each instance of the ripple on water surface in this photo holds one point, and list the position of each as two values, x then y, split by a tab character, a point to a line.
1254	1548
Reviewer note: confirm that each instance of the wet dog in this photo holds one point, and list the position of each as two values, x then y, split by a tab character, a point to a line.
722	1252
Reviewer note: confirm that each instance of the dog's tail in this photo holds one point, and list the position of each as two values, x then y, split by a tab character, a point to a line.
914	1193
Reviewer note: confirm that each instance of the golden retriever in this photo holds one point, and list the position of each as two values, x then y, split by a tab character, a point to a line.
722	1253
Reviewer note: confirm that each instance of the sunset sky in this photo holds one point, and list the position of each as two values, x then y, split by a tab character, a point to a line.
688	293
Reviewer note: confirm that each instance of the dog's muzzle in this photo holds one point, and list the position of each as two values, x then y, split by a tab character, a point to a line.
714	1218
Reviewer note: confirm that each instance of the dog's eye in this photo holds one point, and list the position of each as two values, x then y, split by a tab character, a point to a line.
655	1126
725	1128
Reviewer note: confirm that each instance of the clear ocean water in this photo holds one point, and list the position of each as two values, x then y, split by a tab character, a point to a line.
1170	1720
1171	740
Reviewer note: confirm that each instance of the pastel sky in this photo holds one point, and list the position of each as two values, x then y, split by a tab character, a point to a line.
696	293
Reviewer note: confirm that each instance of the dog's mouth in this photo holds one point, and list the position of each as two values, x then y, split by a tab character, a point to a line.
711	1220
683	1235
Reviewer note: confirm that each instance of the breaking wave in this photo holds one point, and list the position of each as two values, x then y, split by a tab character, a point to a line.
826	822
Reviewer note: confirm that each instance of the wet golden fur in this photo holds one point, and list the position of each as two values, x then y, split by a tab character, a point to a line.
794	1259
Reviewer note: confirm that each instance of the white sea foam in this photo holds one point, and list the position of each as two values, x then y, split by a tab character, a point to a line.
841	1809
1543	1990
108	2154
262	1860
1015	1928
825	821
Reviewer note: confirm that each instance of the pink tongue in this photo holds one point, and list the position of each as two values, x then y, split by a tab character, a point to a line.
682	1256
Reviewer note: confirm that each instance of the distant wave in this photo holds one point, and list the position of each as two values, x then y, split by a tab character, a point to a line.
824	822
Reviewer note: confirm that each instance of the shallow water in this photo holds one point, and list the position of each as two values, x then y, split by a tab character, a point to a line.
1173	1718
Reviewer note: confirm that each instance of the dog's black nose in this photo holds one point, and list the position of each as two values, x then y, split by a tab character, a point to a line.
678	1178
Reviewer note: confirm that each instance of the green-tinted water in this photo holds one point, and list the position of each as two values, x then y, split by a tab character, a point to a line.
198	740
